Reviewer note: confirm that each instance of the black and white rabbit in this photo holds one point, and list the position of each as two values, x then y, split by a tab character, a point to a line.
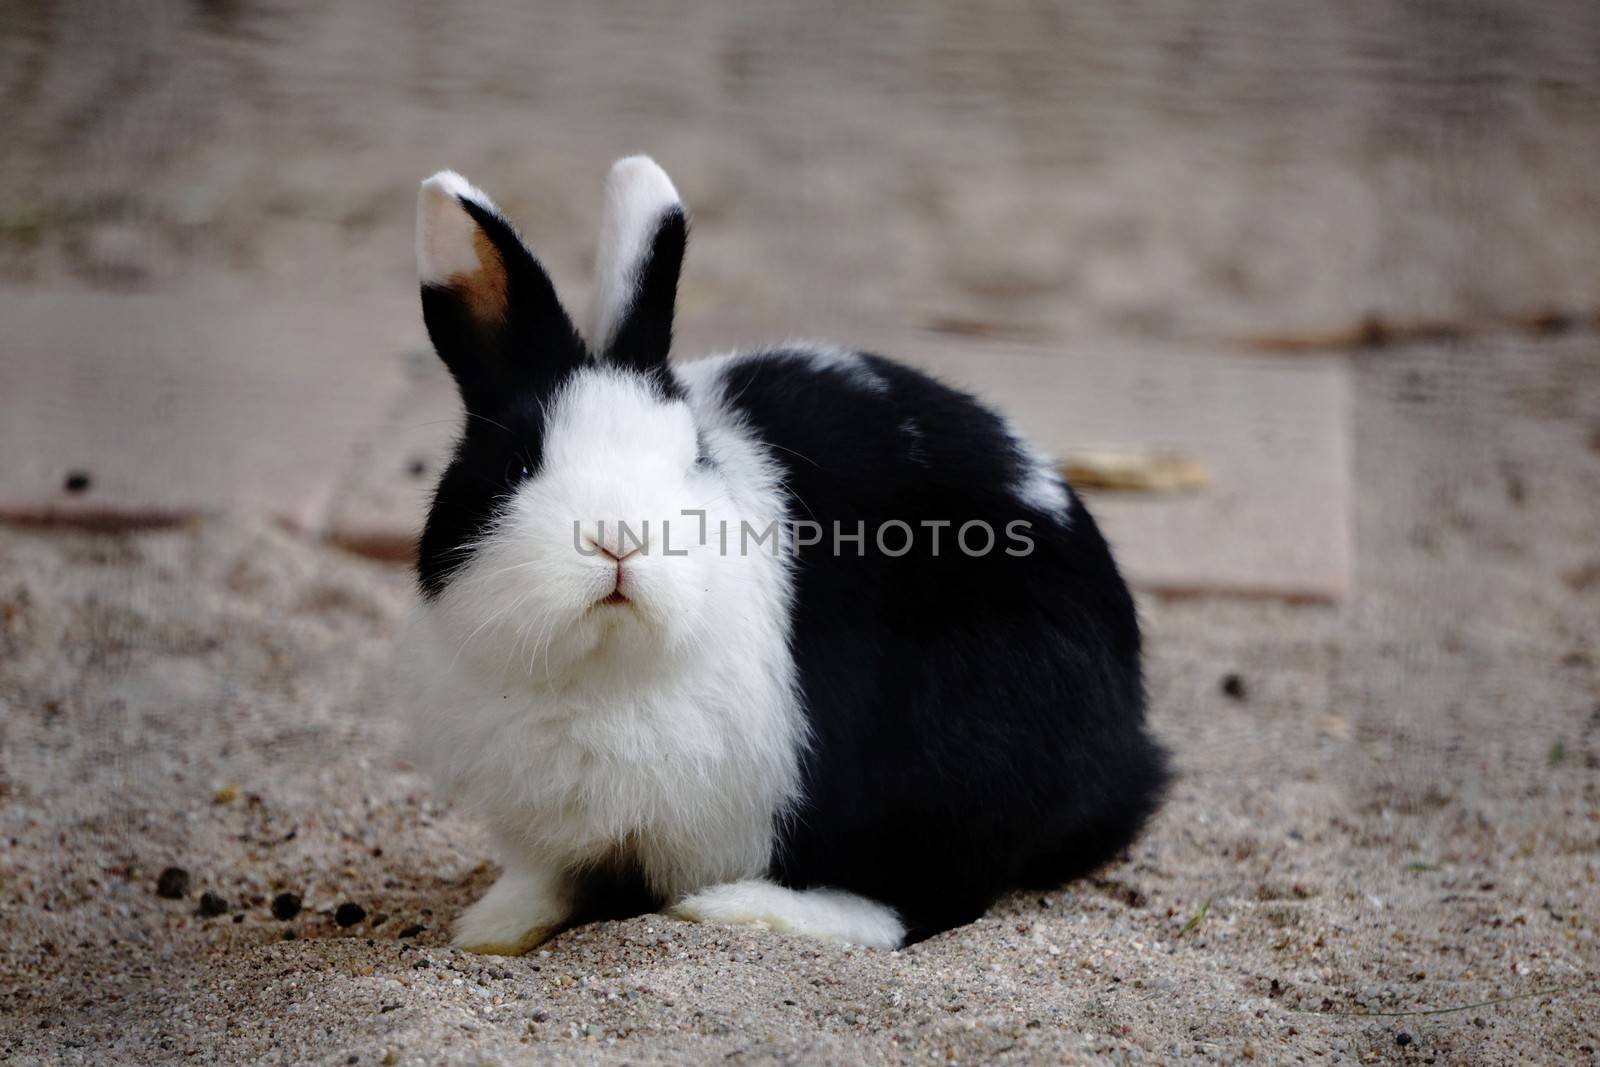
798	638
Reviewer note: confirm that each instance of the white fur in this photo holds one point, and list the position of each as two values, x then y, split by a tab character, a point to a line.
850	364
671	727
830	914
638	194
1041	486
529	896
444	231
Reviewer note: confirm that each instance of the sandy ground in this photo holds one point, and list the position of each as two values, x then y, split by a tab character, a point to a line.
1397	812
1400	812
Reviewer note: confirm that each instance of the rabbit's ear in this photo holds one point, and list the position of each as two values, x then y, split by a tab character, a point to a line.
489	306
642	239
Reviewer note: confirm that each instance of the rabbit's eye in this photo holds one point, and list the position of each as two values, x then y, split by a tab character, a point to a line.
516	471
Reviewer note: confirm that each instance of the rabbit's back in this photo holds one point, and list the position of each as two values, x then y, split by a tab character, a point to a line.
967	653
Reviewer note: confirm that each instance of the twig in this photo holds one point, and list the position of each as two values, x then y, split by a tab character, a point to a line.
1496	1002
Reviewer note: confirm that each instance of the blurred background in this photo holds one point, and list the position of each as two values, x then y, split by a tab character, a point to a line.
1043	170
1306	294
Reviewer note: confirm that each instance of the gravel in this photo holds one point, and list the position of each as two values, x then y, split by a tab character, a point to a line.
285	906
173	883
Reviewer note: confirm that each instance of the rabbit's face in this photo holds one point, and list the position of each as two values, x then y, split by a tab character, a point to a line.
593	555
570	527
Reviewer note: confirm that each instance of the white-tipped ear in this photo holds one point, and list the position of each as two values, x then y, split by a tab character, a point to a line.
639	196
449	241
489	306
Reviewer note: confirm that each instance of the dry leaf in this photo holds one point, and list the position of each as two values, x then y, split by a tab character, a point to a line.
1147	471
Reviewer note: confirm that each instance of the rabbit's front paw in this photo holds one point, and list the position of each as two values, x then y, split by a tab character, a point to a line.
517	915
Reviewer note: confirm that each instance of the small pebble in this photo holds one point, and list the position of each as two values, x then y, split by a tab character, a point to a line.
173	883
1402	1039
412	931
349	914
286	906
288	933
76	482
1233	686
212	905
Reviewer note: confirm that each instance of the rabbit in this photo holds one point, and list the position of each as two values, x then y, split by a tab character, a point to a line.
796	638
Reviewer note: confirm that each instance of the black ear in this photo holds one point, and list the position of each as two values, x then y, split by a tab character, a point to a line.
490	308
642	241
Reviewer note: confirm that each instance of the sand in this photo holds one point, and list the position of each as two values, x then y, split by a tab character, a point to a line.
1397	812
1385	809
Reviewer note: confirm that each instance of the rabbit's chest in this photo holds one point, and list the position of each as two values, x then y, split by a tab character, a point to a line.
688	784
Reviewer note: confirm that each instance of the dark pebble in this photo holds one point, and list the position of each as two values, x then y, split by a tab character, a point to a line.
238	917
349	914
1402	1039
352	1058
173	883
286	906
412	930
76	482
211	905
1233	686
288	933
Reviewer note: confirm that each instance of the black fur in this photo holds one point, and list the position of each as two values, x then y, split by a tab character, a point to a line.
978	722
531	346
506	369
494	453
644	337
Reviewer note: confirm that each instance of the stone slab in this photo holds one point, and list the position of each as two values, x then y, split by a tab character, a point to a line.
121	409
384	493
1273	434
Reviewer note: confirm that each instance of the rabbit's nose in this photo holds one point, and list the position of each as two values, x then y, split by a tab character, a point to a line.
615	554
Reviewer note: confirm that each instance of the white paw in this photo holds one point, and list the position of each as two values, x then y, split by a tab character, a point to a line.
829	914
516	915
